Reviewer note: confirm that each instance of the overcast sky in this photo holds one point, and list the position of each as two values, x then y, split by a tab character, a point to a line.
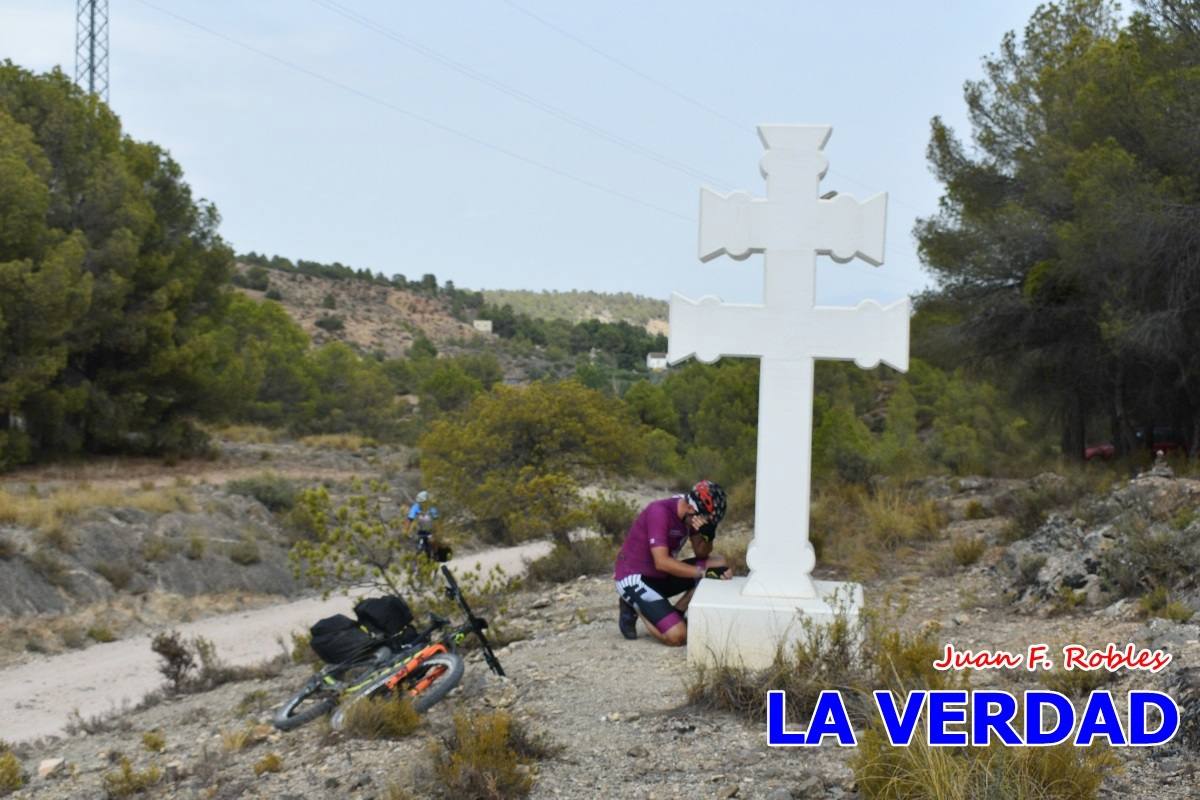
528	143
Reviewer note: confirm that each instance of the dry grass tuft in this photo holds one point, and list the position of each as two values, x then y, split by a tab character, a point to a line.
11	775
489	756
390	717
339	441
884	772
126	781
966	549
855	529
1075	682
248	434
48	514
271	762
154	741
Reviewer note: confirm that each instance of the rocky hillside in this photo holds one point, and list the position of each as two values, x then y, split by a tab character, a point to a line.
618	711
108	549
374	318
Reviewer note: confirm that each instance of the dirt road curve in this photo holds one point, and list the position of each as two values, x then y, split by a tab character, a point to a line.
40	695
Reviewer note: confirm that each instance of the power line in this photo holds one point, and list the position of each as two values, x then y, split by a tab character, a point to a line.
628	67
517	94
739	125
419	117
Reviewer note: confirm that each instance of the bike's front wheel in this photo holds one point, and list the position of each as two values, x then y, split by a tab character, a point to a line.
428	684
314	700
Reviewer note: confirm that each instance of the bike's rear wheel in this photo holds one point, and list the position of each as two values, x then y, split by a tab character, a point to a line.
427	686
314	700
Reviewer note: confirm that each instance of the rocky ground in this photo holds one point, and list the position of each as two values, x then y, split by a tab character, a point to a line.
619	709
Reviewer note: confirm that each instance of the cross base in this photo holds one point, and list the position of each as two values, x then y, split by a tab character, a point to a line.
727	627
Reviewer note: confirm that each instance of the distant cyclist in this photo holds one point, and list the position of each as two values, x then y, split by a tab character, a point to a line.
648	571
421	516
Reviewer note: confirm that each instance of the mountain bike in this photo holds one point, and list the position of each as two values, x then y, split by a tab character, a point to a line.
425	668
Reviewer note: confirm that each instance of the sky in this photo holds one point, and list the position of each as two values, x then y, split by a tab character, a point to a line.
530	144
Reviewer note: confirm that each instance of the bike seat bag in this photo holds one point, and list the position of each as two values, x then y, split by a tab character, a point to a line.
338	638
388	616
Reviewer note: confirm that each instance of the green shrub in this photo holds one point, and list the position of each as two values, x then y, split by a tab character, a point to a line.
613	515
118	575
1027	508
273	294
1028	569
156	547
125	781
329	301
178	660
566	562
301	650
73	637
154	741
1150	556
255	278
389	717
273	491
511	461
12	777
58	538
101	634
196	545
50	567
331	323
245	552
976	510
1158	603
966	549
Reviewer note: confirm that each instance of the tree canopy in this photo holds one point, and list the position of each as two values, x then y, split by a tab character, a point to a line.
109	270
1068	238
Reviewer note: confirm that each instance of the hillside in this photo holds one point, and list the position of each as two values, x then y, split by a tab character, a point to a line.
375	317
576	306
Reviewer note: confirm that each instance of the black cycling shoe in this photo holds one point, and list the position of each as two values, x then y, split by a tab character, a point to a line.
627	620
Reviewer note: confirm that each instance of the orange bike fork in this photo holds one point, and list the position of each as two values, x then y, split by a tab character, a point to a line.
416	662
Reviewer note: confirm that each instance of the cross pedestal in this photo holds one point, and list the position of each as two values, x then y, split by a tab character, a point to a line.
746	619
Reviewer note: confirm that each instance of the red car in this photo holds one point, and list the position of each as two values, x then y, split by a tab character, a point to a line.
1160	440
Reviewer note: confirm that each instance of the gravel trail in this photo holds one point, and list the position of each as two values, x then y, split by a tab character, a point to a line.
40	695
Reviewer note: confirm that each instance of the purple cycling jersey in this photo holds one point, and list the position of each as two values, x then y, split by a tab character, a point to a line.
658	525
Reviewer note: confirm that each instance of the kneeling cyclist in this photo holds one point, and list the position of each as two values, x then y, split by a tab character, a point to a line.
648	571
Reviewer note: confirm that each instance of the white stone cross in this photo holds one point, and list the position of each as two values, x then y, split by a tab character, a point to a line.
792	226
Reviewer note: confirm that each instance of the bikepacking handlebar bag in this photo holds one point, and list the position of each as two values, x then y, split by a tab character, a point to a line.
389	616
338	638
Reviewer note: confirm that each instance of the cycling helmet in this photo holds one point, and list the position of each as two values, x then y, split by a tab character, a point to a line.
708	498
422	497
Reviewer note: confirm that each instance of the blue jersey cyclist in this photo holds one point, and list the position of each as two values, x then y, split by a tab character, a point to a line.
648	571
421	516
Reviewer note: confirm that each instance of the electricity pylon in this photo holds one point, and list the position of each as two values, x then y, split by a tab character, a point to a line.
91	47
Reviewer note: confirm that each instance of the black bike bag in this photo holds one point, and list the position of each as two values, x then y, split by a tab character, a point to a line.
338	638
389	616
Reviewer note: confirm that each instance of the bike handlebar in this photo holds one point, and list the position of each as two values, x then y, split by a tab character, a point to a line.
477	624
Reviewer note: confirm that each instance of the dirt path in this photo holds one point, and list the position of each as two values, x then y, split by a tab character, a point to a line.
41	694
